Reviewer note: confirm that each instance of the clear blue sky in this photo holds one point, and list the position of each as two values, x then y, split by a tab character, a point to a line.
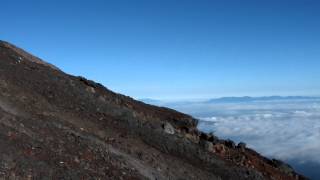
173	49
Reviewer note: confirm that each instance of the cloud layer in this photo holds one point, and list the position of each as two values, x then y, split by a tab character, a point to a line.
288	130
284	135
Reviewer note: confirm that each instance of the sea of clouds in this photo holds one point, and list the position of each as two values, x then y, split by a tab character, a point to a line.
283	129
284	135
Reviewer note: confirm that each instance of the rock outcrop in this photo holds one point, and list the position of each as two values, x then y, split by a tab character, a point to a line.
57	126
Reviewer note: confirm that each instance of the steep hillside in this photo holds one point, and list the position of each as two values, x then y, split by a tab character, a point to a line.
54	125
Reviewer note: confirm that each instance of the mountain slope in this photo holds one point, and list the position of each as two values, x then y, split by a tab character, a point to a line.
60	126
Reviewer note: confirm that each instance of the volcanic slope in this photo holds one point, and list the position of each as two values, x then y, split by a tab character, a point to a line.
58	126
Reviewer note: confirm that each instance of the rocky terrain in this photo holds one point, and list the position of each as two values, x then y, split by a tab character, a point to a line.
57	126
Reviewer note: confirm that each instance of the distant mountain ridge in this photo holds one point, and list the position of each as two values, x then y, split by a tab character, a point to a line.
262	98
233	99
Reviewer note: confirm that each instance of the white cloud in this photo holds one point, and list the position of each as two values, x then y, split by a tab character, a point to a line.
284	131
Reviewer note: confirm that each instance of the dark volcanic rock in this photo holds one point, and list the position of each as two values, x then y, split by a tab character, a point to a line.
282	166
242	146
57	126
230	144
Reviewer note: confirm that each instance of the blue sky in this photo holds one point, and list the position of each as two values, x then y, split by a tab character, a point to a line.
175	49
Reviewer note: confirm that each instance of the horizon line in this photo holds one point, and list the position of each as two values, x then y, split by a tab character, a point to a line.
221	97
